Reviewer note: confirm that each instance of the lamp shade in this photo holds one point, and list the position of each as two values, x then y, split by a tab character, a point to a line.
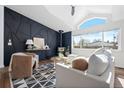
29	42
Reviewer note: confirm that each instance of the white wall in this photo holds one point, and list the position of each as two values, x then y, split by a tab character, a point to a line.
1	35
59	16
117	12
119	54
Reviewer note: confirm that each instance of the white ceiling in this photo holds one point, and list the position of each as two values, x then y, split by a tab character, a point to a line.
58	17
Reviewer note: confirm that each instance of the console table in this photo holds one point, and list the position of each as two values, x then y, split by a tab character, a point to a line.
38	50
35	49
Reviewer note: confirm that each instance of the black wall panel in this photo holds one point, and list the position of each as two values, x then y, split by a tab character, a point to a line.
19	28
66	40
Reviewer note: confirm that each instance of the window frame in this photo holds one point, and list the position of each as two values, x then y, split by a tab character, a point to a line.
82	22
102	43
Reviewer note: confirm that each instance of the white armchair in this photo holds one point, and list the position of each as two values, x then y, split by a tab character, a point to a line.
67	77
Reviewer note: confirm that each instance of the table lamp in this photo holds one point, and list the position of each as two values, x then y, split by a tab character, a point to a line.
29	42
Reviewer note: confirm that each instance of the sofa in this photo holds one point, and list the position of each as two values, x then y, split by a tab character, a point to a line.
68	77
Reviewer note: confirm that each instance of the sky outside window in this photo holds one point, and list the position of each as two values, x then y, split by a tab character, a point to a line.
111	36
91	37
92	22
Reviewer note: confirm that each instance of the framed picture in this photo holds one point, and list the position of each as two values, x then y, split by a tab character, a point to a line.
38	42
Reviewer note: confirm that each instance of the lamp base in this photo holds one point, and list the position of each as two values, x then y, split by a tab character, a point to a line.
29	46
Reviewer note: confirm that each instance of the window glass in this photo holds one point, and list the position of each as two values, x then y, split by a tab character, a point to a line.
92	22
76	41
91	40
108	39
111	39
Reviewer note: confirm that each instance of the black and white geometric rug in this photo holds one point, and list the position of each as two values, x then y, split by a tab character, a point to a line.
43	77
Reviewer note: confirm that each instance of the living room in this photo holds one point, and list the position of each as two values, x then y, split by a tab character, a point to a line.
62	50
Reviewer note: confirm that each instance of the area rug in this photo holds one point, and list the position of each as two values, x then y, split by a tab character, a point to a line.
42	77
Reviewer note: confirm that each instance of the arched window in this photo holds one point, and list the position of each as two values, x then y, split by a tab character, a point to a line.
92	22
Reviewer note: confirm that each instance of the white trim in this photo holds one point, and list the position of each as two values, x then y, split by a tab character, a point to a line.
1	36
119	40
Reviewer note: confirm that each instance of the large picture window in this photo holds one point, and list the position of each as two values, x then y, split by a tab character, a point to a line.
108	39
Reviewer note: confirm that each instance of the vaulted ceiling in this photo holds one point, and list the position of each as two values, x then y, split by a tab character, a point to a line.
58	17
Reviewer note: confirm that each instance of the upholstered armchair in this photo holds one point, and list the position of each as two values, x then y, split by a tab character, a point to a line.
21	64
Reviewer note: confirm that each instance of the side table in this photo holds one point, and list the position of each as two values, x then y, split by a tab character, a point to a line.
62	60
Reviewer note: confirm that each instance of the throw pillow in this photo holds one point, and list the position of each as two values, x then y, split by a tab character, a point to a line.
98	64
80	63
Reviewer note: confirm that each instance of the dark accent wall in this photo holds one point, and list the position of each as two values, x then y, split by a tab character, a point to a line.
19	28
66	40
